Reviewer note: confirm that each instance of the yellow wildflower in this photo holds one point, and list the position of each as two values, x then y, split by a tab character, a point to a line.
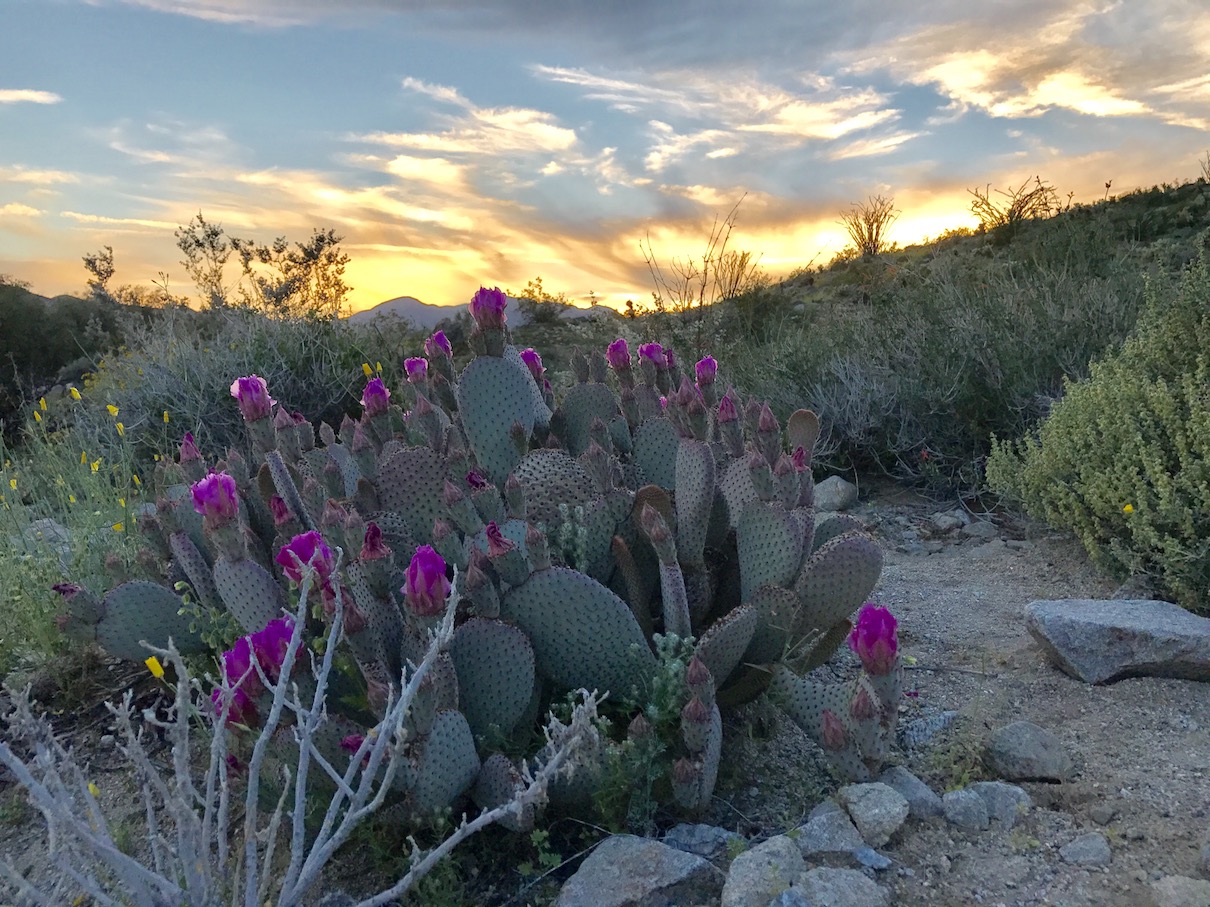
365	367
83	458
113	410
37	416
95	464
42	403
165	417
12	483
121	430
121	502
118	527
378	367
137	481
1129	508
75	394
154	666
71	499
93	789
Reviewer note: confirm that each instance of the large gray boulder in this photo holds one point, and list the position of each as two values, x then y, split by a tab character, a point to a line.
628	871
1103	641
762	873
835	493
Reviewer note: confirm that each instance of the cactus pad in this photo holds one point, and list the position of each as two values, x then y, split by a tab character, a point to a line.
141	610
447	765
770	547
495	665
722	646
250	592
835	582
493	394
655	447
410	483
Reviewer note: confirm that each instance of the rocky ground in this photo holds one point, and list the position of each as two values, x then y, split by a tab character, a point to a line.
1140	748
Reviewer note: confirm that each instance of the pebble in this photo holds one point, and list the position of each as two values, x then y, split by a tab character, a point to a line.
1102	813
1087	850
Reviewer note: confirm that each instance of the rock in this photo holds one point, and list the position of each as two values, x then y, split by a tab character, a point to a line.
828	830
922	802
948	522
791	897
980	529
1203	863
1103	641
45	533
1102	813
877	809
628	871
706	841
1180	891
1087	850
825	887
1004	801
835	493
966	809
762	873
872	859
913	734
1023	751
988	550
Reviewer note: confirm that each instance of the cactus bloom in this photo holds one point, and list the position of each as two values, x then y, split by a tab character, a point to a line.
252	395
475	479
438	345
426	588
189	451
376	399
487	308
799	459
373	548
241	708
874	639
533	362
417	369
497	544
706	370
618	354
655	353
307	548
280	510
271	643
215	498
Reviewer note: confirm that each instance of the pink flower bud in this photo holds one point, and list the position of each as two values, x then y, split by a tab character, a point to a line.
374	548
697	673
307	548
533	362
215	497
799	459
438	345
352	743
726	409
189	451
706	370
669	359
654	352
417	369
375	399
475	479
783	467
280	510
862	706
767	421
487	308
252	395
425	587
696	711
68	590
618	354
497	544
874	639
835	737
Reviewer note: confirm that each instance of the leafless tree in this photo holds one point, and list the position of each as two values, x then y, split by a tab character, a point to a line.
1023	203
868	224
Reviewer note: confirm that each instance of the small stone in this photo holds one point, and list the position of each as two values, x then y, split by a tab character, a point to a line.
828	829
626	870
980	529
948	522
871	859
877	810
1133	834
791	897
966	809
1004	801
760	874
1087	850
923	802
825	887
1102	813
1023	751
835	493
1180	891
108	740
1203	861
706	841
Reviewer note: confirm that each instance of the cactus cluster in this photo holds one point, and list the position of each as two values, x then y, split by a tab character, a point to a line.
581	533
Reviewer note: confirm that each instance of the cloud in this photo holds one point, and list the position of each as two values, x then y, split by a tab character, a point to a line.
28	96
16	209
82	218
36	176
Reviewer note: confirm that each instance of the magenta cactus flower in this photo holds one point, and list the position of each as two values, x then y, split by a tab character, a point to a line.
425	587
252	395
280	510
487	308
271	643
417	369
618	354
475	479
242	710
533	362
799	459
215	497
669	359
438	345
376	399
655	353
189	451
307	548
874	639
237	666
373	548
706	370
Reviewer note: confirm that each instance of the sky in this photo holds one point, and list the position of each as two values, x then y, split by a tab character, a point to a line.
459	143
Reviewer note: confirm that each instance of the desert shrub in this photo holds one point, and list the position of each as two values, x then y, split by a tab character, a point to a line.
1123	460
183	368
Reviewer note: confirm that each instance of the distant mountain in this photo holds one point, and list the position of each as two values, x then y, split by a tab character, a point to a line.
426	316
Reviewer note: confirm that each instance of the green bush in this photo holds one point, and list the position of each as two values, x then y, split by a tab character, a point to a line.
1123	460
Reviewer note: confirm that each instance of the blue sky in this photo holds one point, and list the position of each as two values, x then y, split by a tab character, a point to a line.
468	142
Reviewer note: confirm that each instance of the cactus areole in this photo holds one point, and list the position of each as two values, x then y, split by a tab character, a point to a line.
583	539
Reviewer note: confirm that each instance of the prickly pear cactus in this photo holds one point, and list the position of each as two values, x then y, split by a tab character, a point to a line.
642	506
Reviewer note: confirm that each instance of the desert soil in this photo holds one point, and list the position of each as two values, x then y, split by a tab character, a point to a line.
1141	746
